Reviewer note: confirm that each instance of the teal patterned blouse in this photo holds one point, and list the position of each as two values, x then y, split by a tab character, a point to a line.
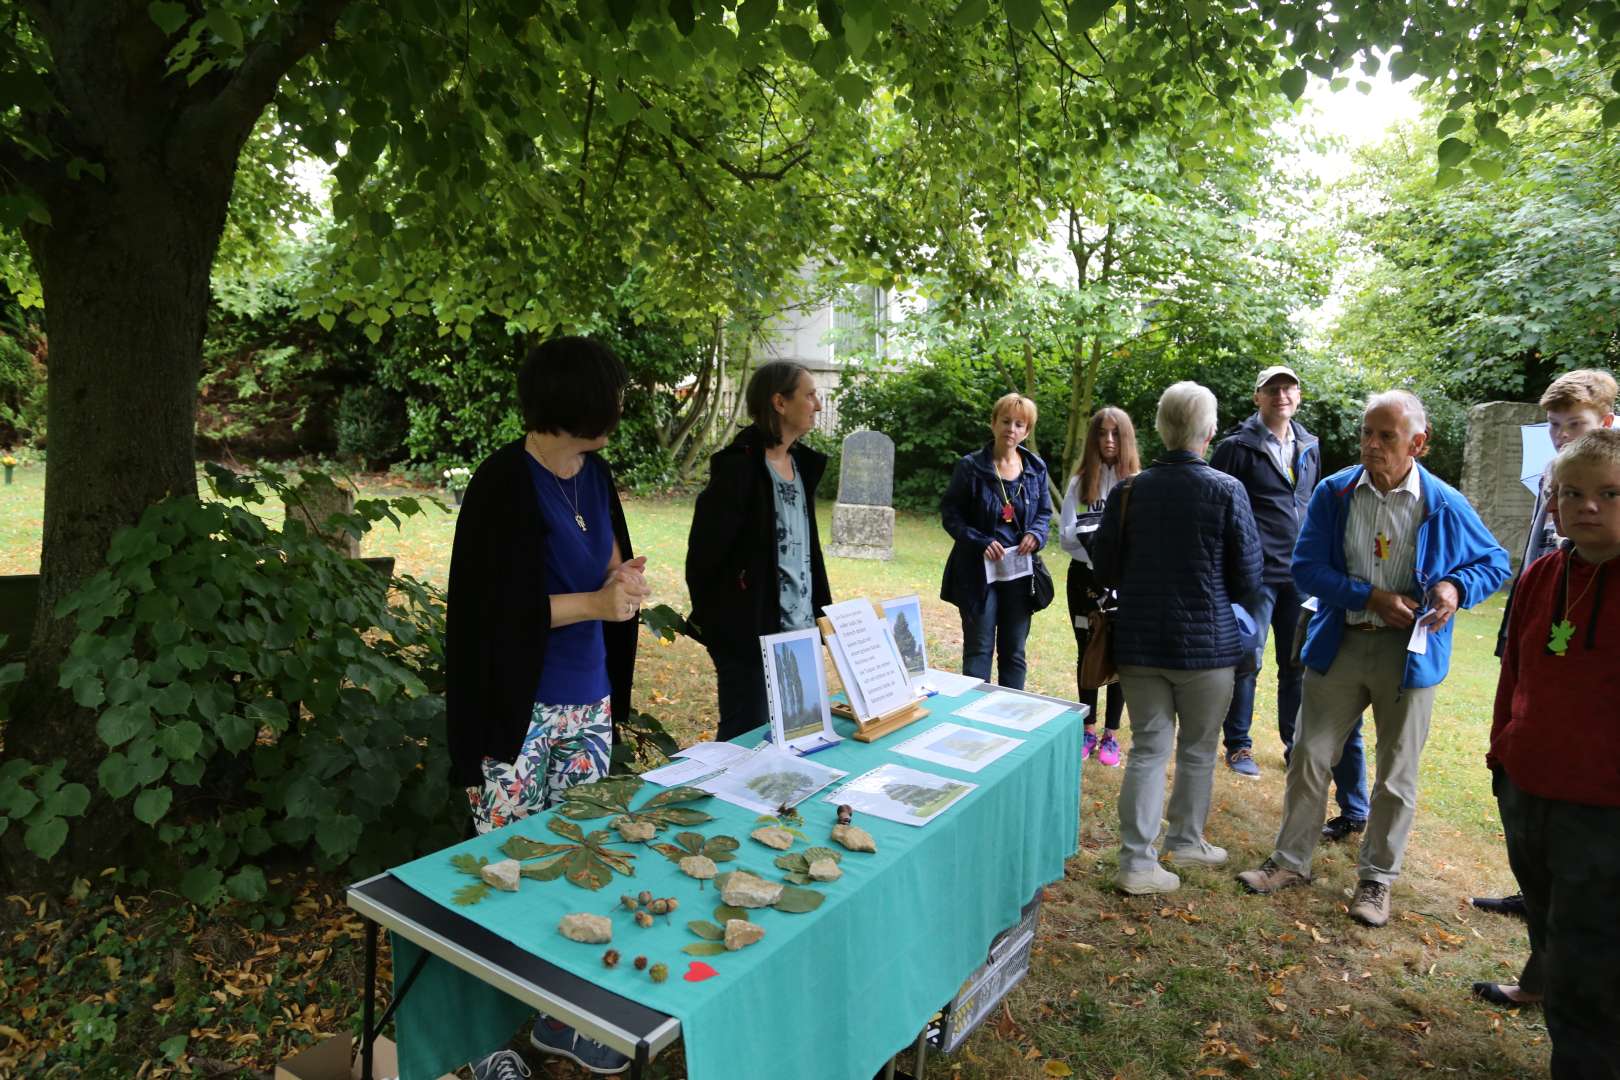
792	551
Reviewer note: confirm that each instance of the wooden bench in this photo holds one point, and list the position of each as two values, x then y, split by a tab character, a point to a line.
19	593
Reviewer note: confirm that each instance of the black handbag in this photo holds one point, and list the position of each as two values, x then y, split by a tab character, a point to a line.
1041	588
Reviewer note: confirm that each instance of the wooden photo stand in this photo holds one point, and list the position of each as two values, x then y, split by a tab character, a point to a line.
871	728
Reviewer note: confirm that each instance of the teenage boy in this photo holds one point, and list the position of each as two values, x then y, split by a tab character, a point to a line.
1560	687
1576	402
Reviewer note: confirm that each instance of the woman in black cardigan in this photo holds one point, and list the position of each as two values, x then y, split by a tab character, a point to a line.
753	559
540	638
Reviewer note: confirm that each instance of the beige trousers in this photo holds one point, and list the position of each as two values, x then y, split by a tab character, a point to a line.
1367	671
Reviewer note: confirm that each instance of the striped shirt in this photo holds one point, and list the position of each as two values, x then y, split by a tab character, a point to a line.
1380	538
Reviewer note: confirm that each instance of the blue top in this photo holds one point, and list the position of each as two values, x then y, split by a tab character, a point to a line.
792	550
575	671
1452	545
1188	552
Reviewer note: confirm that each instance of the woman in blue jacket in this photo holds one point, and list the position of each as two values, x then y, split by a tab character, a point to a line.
1179	545
996	508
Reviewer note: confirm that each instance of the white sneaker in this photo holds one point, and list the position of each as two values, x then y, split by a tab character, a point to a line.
1155	879
1205	854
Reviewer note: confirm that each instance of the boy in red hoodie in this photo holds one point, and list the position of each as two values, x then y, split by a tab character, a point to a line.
1560	691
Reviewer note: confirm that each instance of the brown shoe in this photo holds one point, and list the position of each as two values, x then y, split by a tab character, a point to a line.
1269	878
1371	905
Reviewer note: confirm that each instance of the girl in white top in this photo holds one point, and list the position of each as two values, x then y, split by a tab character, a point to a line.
1109	456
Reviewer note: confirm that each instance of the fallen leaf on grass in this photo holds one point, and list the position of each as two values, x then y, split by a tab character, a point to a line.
1279	1006
1054	1067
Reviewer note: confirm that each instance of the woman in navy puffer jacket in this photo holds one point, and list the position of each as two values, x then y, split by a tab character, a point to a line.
1188	549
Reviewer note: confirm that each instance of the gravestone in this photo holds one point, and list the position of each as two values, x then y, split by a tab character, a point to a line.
1491	471
315	500
863	517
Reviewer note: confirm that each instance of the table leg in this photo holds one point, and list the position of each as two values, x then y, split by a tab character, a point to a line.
921	1054
366	1035
888	1070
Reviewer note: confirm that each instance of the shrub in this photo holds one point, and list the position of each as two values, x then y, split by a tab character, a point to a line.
370	424
257	691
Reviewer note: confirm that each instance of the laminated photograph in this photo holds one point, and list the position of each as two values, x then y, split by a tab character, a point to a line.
957	747
873	663
771	781
896	793
1010	710
904	615
796	685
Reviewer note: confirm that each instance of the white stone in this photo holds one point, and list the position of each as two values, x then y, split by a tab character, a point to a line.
698	866
743	889
503	875
590	929
825	870
854	838
773	836
740	932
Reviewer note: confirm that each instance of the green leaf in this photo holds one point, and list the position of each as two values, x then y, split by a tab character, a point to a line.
236	733
1487	168
174	1047
707	930
339	834
798	901
1611	113
1022	14
201	885
1452	152
1292	83
725	913
970	13
470	894
169	17
116	775
122	723
1448	125
225	25
181	741
754	16
247	884
705	948
45	838
152	804
327	320
67	801
88	692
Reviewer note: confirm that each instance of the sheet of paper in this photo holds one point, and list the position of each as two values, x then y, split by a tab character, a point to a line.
896	793
873	661
1311	603
947	683
841	664
957	747
1009	567
1418	643
715	753
1012	710
771	779
682	771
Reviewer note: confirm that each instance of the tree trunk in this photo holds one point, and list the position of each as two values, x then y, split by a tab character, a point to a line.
125	275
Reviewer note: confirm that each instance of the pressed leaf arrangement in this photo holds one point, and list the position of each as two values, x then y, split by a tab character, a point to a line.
612	797
798	864
587	861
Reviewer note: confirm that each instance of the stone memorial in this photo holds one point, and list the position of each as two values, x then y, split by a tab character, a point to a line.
863	517
1491	470
316	499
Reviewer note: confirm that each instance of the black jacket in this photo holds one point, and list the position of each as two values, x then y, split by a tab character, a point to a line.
1189	551
731	550
498	617
970	510
1278	505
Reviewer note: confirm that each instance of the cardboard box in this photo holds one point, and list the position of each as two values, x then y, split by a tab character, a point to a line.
329	1060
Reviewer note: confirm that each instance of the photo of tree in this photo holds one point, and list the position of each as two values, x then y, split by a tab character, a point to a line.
782	787
926	800
797	685
905	620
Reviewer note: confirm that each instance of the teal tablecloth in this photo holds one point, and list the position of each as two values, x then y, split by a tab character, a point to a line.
832	993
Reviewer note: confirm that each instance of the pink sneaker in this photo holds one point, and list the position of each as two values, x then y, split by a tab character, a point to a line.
1108	750
1089	745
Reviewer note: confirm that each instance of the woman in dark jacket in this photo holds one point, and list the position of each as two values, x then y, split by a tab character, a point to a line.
1184	552
540	637
996	505
753	558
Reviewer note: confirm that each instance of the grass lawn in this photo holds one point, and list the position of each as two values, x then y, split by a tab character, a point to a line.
1205	982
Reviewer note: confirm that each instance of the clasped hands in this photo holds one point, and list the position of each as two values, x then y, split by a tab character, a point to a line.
1399	610
624	589
995	551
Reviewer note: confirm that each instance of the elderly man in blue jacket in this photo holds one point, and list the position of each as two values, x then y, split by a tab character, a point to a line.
1391	552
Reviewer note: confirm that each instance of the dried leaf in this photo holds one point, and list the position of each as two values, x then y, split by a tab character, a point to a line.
797	901
565	828
1054	1067
705	948
725	912
469	865
707	930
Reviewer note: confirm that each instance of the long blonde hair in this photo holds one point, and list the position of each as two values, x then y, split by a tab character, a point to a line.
1089	467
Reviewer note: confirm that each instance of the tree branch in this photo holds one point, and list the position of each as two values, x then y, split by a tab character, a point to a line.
585	139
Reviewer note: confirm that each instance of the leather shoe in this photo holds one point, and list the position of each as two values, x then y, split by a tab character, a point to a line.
1505	905
1493	993
1342	827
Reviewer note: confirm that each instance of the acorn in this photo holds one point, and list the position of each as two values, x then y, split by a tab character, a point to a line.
645	897
628	901
663	905
658	973
610	958
643	919
846	813
640	963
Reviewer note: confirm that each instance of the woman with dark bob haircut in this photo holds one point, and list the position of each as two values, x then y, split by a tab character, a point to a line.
753	560
540	638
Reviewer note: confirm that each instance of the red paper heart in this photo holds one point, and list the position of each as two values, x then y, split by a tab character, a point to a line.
697	971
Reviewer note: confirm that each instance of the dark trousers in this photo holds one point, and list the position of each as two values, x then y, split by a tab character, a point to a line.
1080	605
1566	857
1275	607
1000	628
740	677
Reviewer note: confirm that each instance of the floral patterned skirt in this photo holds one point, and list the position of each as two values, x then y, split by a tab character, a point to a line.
565	745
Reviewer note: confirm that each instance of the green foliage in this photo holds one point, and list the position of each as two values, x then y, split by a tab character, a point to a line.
717	848
370	424
255	689
587	862
38	800
22	379
797	863
613	796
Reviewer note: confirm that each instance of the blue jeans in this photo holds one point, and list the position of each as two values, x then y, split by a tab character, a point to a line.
1001	628
1275	608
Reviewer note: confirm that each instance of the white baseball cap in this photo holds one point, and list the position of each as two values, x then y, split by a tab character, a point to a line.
1272	372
